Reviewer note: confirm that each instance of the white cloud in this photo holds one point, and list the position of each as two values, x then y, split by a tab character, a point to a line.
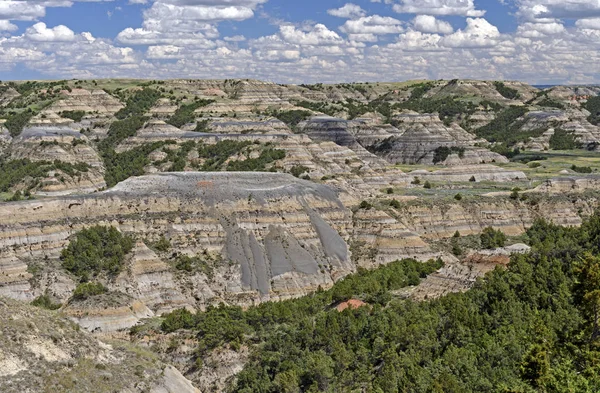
536	30
429	24
416	41
593	23
478	33
164	11
348	11
142	36
438	7
39	32
235	38
7	26
373	24
21	10
552	9
318	35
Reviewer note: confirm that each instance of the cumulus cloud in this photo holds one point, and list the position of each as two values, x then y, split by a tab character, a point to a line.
416	41
39	32
552	9
373	25
536	30
142	36
429	24
21	10
348	11
438	7
593	23
5	25
180	38
478	33
318	35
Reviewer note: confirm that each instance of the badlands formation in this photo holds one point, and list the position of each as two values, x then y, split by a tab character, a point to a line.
278	190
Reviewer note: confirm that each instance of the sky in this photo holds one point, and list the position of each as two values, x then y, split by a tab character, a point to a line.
302	41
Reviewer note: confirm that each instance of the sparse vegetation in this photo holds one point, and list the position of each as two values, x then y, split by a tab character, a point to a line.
17	171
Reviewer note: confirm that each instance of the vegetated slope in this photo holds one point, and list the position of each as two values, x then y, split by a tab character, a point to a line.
42	352
530	328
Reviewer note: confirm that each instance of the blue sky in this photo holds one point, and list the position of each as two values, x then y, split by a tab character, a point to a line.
537	41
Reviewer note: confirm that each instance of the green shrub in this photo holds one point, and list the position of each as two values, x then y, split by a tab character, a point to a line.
139	103
216	155
458	197
563	140
395	204
44	301
178	319
506	92
456	249
427	184
365	205
581	169
267	156
163	244
593	106
491	238
202	126
549	103
15	123
88	289
76	116
298	170
441	153
95	251
185	113
16	171
293	117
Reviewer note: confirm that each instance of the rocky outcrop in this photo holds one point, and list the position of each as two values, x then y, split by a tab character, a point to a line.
14	278
443	219
339	131
62	144
55	143
39	348
421	134
461	276
88	101
485	90
107	313
278	236
378	239
151	280
569	184
234	126
473	173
